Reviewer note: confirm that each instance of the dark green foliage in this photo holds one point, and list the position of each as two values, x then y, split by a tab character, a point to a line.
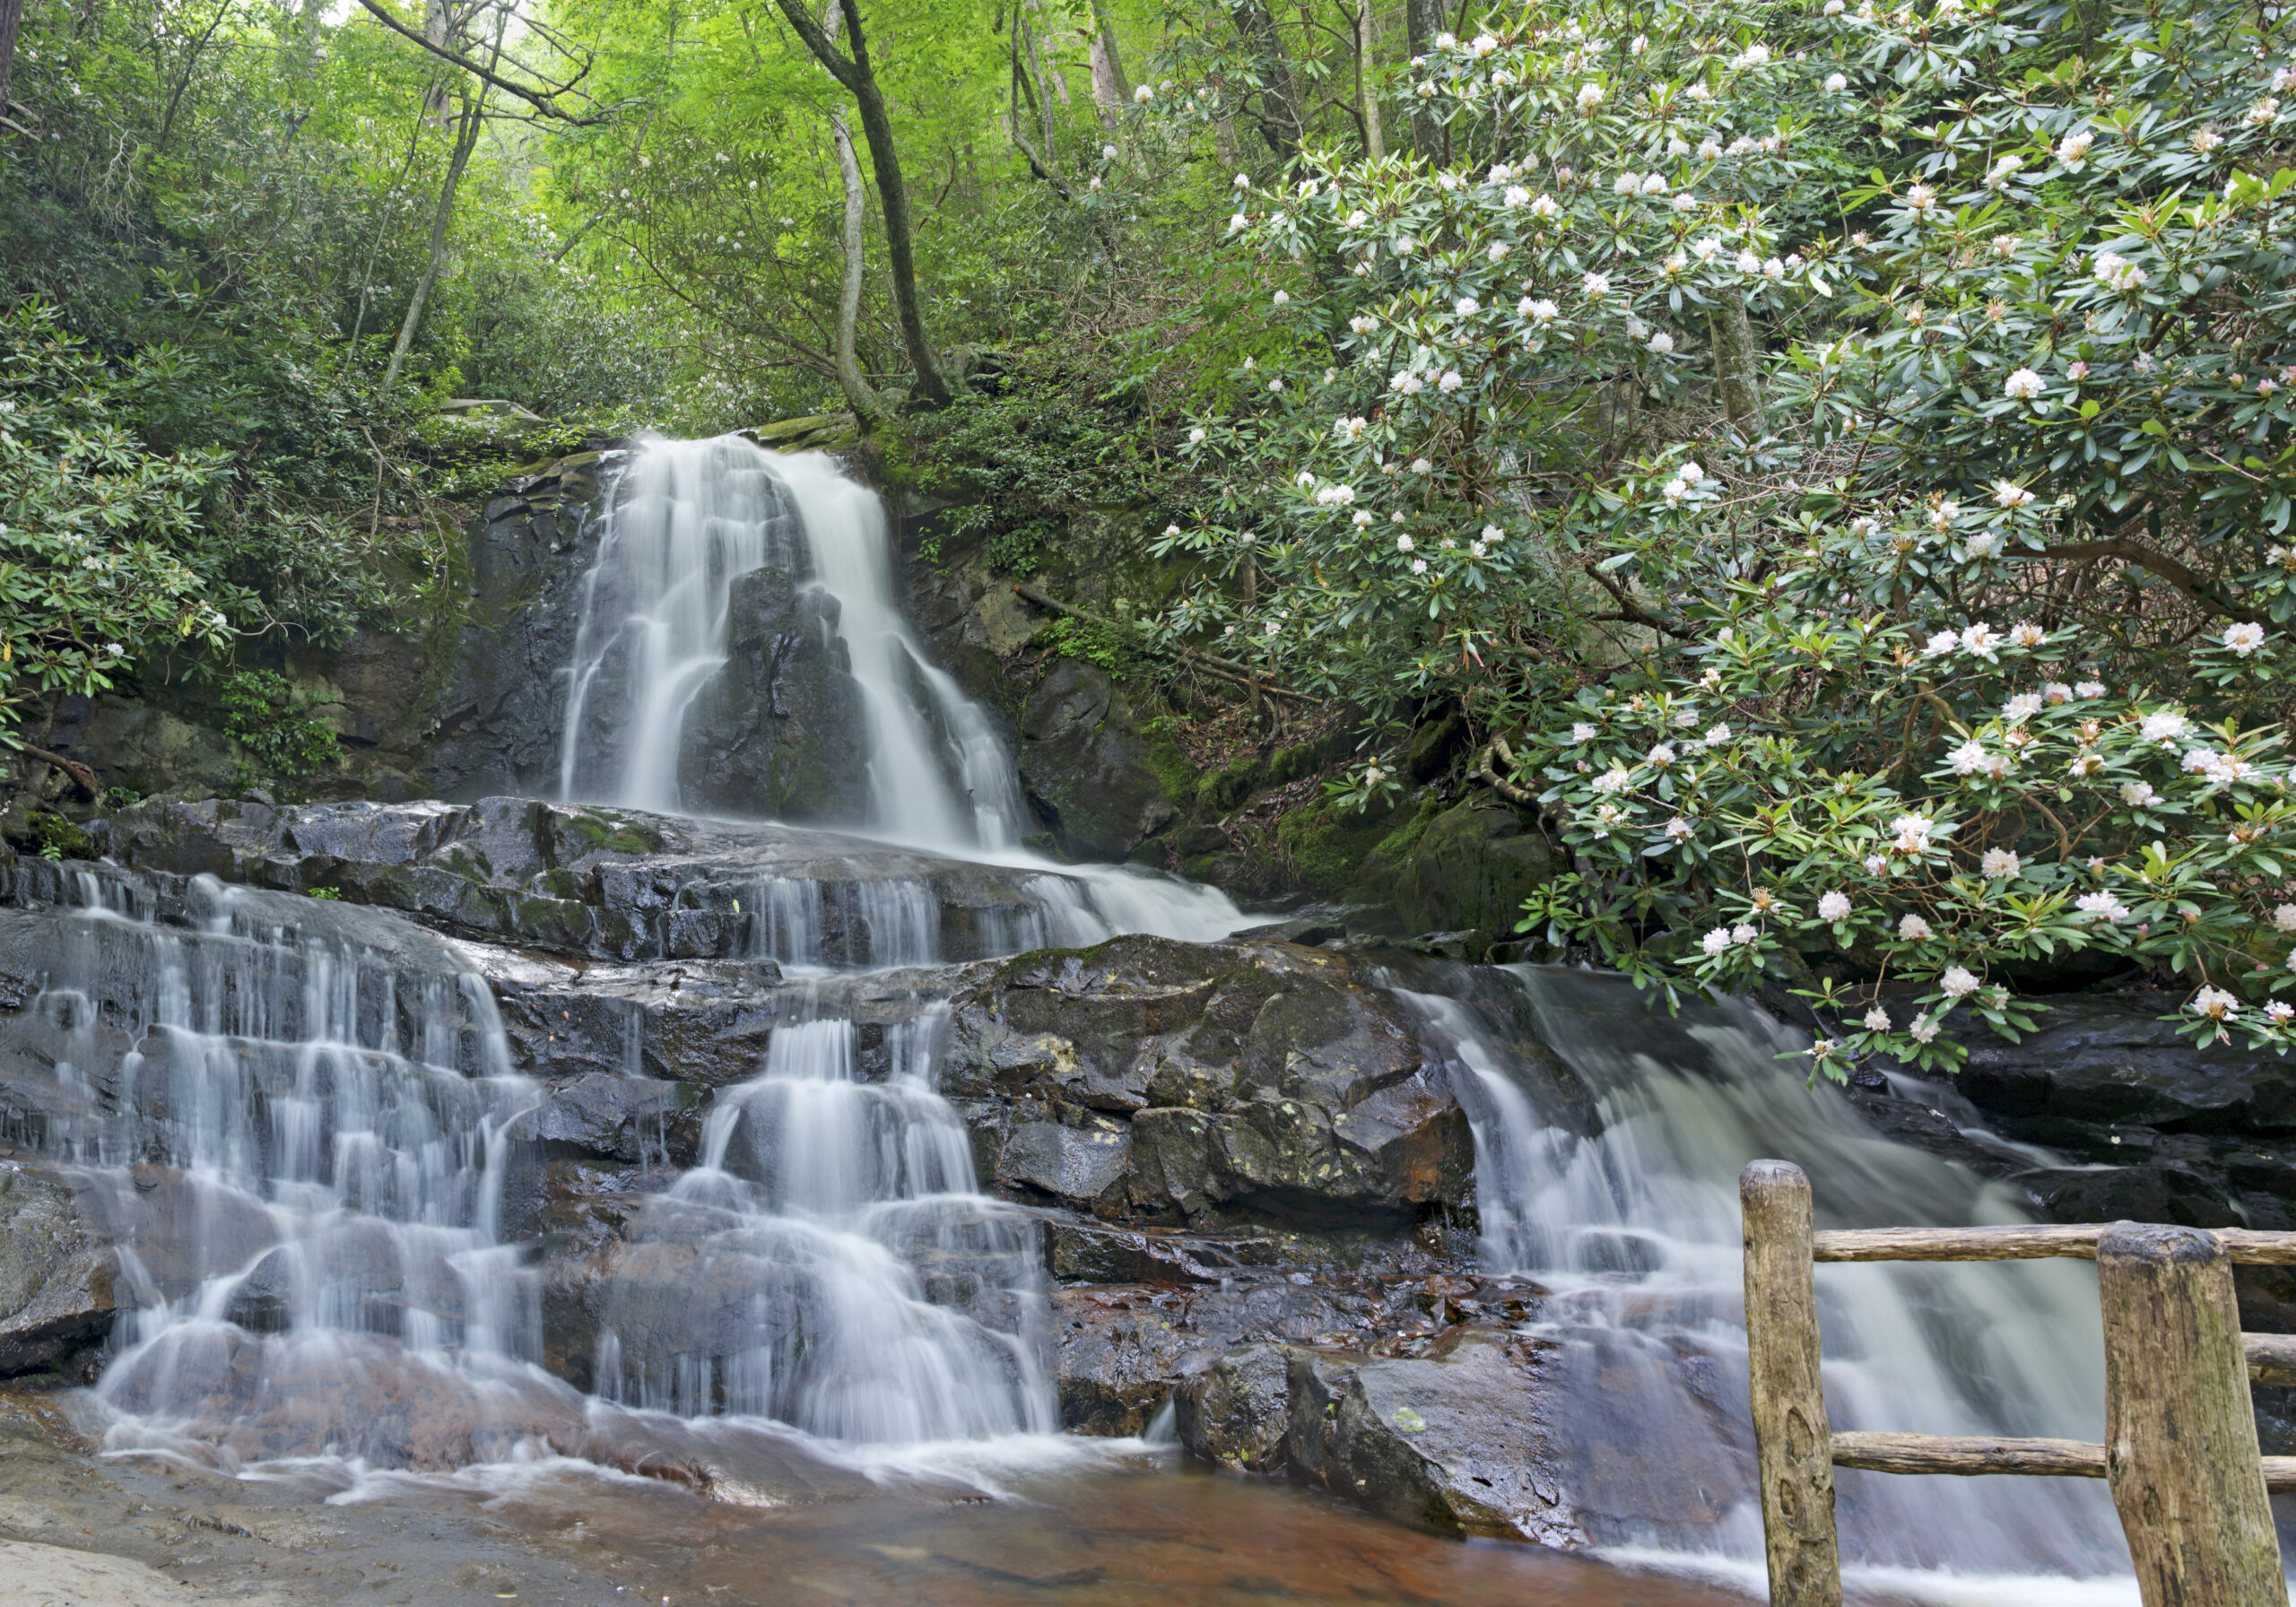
260	711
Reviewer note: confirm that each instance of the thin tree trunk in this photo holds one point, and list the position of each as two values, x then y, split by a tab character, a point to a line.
1422	20
1737	379
374	246
465	139
12	15
1279	109
892	192
1104	27
1367	97
858	396
1043	101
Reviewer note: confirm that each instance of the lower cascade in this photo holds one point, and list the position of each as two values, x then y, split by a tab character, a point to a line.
633	1128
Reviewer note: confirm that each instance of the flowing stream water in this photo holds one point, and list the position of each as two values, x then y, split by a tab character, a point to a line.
317	1100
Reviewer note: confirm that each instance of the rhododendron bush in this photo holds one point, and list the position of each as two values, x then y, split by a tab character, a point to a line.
1837	456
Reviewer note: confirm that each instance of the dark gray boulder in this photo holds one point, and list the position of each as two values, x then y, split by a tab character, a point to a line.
1456	1441
1163	1081
780	730
2113	1060
57	1272
502	716
1086	765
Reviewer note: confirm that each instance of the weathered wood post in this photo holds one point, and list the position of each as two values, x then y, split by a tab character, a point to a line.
1793	1443
2180	1437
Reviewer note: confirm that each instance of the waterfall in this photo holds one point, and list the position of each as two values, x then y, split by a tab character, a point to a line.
877	1295
688	519
295	1118
1628	1214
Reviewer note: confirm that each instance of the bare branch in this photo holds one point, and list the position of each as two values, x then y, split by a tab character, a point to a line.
540	99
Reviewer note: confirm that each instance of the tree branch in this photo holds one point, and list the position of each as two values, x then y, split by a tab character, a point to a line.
540	101
1218	667
2168	568
80	773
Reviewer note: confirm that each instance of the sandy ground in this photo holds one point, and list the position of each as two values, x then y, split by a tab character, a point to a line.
37	1575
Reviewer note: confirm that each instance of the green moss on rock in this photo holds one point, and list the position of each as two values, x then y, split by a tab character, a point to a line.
1329	842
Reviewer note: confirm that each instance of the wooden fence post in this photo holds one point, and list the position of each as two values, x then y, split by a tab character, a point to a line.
1793	1443
2180	1437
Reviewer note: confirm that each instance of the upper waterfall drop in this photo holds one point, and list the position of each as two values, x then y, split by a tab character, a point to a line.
689	521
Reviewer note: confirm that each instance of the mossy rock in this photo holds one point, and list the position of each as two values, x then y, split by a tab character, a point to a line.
1223	791
1465	868
1329	842
597	834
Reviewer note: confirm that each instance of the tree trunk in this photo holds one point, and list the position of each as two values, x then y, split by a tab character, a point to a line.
1279	108
12	14
1422	20
892	193
465	139
1039	78
1104	27
1104	90
374	246
1737	379
1367	93
858	396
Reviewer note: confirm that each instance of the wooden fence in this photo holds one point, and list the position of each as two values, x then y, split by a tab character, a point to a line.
2180	1440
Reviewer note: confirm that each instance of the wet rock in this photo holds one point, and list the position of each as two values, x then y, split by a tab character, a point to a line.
632	1119
260	1396
500	720
610	884
1086	765
780	730
1120	1352
1081	1251
2112	1061
1239	1409
1454	1441
1262	1072
1073	1163
57	1273
701	1022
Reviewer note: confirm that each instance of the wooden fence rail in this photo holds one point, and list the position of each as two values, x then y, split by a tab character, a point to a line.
2181	1449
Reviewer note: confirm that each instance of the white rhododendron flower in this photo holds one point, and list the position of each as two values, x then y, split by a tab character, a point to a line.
1590	96
2167	727
2215	1004
2103	906
1716	941
1999	863
2023	385
1833	907
1877	1019
1958	982
2243	640
1913	929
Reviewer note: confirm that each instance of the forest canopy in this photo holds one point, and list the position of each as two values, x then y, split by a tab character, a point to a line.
1832	458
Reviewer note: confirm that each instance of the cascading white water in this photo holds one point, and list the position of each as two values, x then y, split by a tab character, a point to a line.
302	1140
877	1295
689	517
1634	1227
939	777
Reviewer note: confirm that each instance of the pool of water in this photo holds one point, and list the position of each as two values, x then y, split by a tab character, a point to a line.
1081	1526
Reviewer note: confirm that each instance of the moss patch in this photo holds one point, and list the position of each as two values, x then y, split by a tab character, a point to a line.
1329	842
599	835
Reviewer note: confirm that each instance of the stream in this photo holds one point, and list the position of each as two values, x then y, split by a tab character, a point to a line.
424	1226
